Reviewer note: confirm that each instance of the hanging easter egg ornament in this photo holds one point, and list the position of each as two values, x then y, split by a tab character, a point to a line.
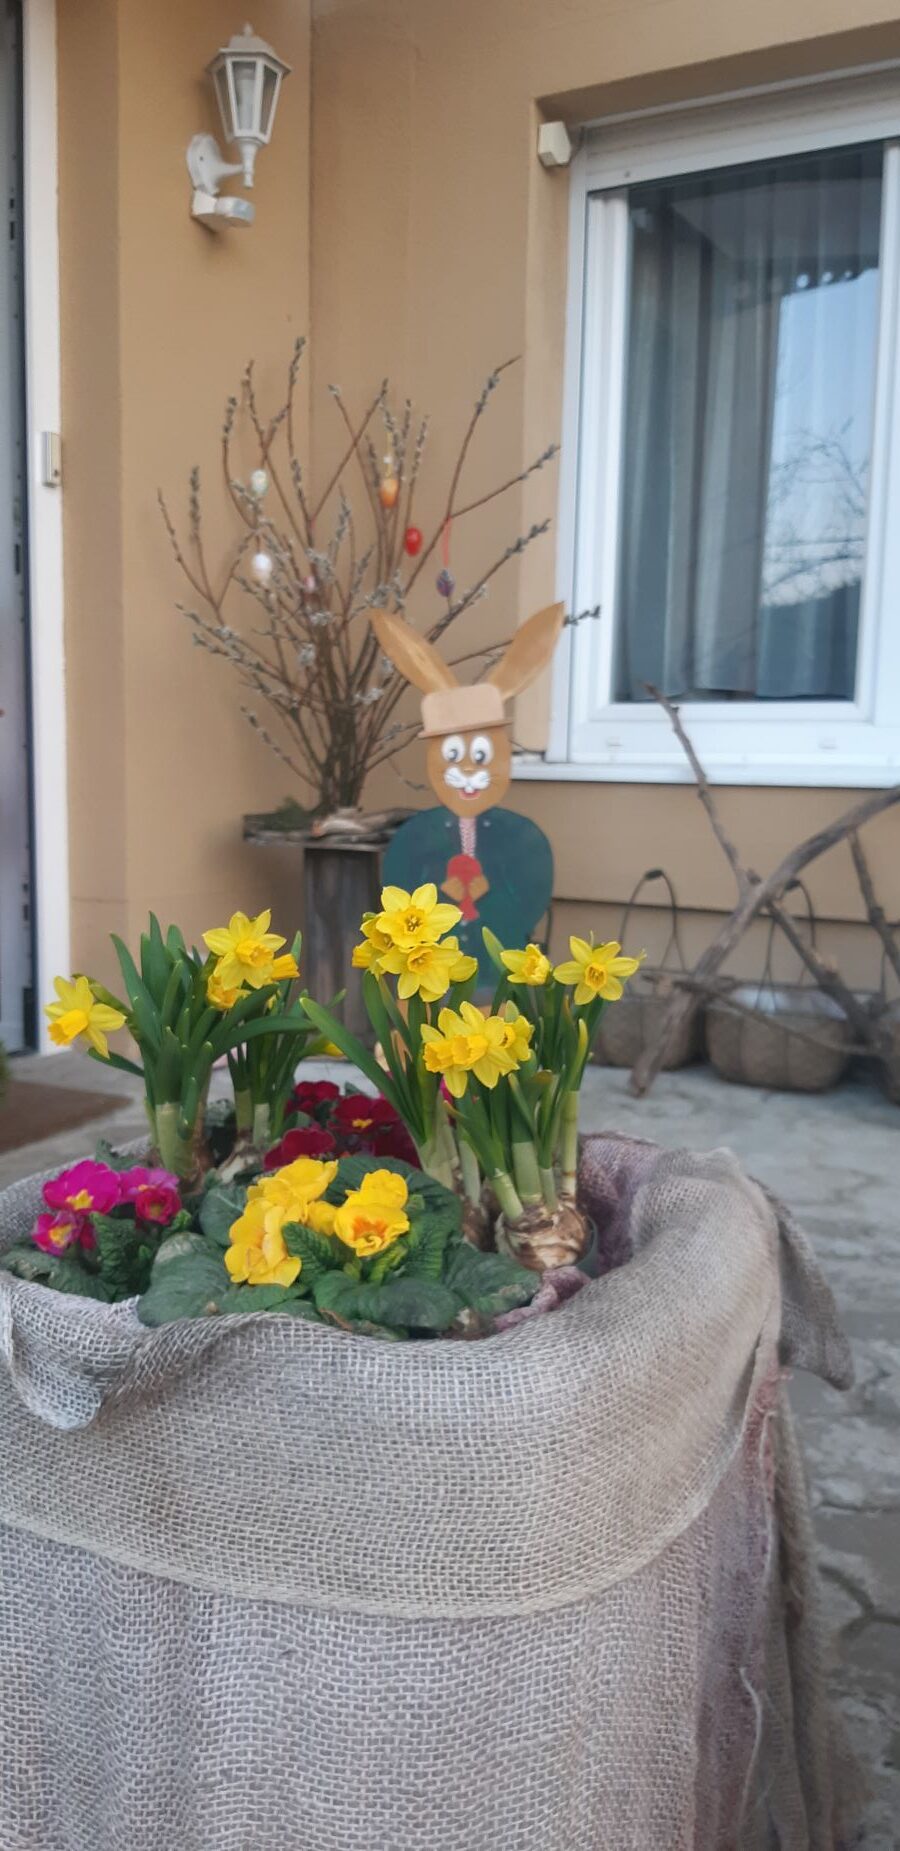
309	585
259	482
412	540
389	487
445	580
262	566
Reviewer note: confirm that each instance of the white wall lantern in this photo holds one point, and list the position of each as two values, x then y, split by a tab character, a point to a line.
247	76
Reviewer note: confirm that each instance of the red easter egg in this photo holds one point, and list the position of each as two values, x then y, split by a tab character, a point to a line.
412	540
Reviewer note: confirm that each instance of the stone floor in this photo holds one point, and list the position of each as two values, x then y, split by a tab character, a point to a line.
836	1160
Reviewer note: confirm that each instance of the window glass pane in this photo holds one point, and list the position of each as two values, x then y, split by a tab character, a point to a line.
753	299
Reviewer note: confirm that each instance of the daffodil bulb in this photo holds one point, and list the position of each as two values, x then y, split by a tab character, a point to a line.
259	482
262	565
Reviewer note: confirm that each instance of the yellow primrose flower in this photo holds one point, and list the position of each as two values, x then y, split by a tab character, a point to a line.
528	966
298	1184
218	995
257	1254
373	1216
428	970
384	1186
597	970
77	1014
320	1217
246	950
517	1033
410	919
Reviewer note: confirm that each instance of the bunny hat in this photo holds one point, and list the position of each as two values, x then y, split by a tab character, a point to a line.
469	748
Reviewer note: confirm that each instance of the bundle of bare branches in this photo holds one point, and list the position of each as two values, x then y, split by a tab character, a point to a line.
314	565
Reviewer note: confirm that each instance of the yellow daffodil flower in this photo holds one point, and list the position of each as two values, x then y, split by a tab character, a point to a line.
246	950
517	1035
76	1014
218	995
427	970
368	954
285	966
415	918
528	966
468	1042
447	1055
374	1215
597	970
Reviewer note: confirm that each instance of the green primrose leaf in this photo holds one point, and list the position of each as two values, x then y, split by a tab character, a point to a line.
242	1298
125	1253
489	1282
222	1205
401	1303
317	1252
191	1285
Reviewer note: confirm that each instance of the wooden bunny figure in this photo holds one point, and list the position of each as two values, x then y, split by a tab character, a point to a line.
495	865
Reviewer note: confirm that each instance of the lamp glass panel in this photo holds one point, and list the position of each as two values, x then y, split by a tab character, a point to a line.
269	98
245	96
223	98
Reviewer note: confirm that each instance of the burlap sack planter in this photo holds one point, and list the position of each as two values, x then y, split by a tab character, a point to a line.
266	1587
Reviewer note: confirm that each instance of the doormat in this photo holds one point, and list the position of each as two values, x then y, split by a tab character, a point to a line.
30	1112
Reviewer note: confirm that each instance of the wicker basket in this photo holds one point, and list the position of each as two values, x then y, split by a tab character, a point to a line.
786	1038
634	1023
889	1065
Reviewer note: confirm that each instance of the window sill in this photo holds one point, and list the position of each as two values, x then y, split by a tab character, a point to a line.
835	773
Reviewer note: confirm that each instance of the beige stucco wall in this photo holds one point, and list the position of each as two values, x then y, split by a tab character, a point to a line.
159	317
404	222
439	247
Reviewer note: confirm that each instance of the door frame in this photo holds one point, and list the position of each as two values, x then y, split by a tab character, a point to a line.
43	412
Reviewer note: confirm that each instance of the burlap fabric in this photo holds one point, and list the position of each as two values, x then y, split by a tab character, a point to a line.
267	1587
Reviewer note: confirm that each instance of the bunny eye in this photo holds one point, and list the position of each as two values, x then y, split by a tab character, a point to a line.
453	749
481	750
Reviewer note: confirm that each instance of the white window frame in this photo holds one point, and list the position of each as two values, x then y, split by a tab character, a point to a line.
818	743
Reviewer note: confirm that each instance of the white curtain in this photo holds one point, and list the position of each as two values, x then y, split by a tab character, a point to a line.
753	297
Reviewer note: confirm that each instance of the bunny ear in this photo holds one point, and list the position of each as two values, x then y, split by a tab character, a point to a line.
411	653
530	649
